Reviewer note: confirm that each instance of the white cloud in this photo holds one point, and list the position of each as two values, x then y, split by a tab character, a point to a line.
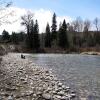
43	16
61	18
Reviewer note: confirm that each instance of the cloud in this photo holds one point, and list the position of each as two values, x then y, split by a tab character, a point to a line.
43	16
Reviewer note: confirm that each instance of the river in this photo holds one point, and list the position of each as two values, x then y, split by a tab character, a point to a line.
80	72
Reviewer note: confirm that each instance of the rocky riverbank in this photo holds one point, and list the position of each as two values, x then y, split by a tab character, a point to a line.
91	53
21	79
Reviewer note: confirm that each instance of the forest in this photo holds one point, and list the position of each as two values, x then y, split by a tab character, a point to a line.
76	36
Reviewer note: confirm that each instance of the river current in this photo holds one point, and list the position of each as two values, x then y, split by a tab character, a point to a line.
80	72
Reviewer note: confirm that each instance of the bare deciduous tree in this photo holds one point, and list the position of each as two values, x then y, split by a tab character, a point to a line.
4	13
26	20
78	24
87	25
97	23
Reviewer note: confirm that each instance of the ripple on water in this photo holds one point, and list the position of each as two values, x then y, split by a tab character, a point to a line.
81	72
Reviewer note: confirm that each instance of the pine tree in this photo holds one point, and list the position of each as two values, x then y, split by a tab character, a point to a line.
54	28
36	39
5	36
21	36
31	34
14	38
63	40
47	36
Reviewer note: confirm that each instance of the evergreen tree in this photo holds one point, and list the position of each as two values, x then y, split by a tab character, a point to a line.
29	38
31	34
97	37
14	38
63	40
21	36
54	28
5	36
47	36
36	39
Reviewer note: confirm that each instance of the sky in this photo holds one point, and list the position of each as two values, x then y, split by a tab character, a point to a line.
43	11
73	8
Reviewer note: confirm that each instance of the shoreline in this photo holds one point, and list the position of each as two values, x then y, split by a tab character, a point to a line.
21	79
91	53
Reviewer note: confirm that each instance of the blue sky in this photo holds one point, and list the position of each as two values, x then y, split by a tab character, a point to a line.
43	11
73	8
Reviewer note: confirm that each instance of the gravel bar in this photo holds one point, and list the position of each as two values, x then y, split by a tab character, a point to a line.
21	79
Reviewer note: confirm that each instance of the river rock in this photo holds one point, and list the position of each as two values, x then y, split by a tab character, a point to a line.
60	84
60	88
57	90
73	95
61	93
23	79
47	71
34	95
31	81
47	96
67	87
39	93
49	89
54	92
58	97
25	82
10	98
29	93
69	96
64	98
1	98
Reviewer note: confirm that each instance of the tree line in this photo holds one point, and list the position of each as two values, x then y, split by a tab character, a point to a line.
74	35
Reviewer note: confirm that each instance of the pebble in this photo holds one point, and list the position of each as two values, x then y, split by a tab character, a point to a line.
60	84
67	87
0	98
61	93
34	95
54	92
39	93
49	89
10	98
30	93
63	86
47	96
64	98
58	97
22	79
73	95
25	82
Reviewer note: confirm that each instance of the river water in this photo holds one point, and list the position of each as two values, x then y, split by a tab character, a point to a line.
80	72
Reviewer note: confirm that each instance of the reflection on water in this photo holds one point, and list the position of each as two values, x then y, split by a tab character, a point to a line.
81	72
